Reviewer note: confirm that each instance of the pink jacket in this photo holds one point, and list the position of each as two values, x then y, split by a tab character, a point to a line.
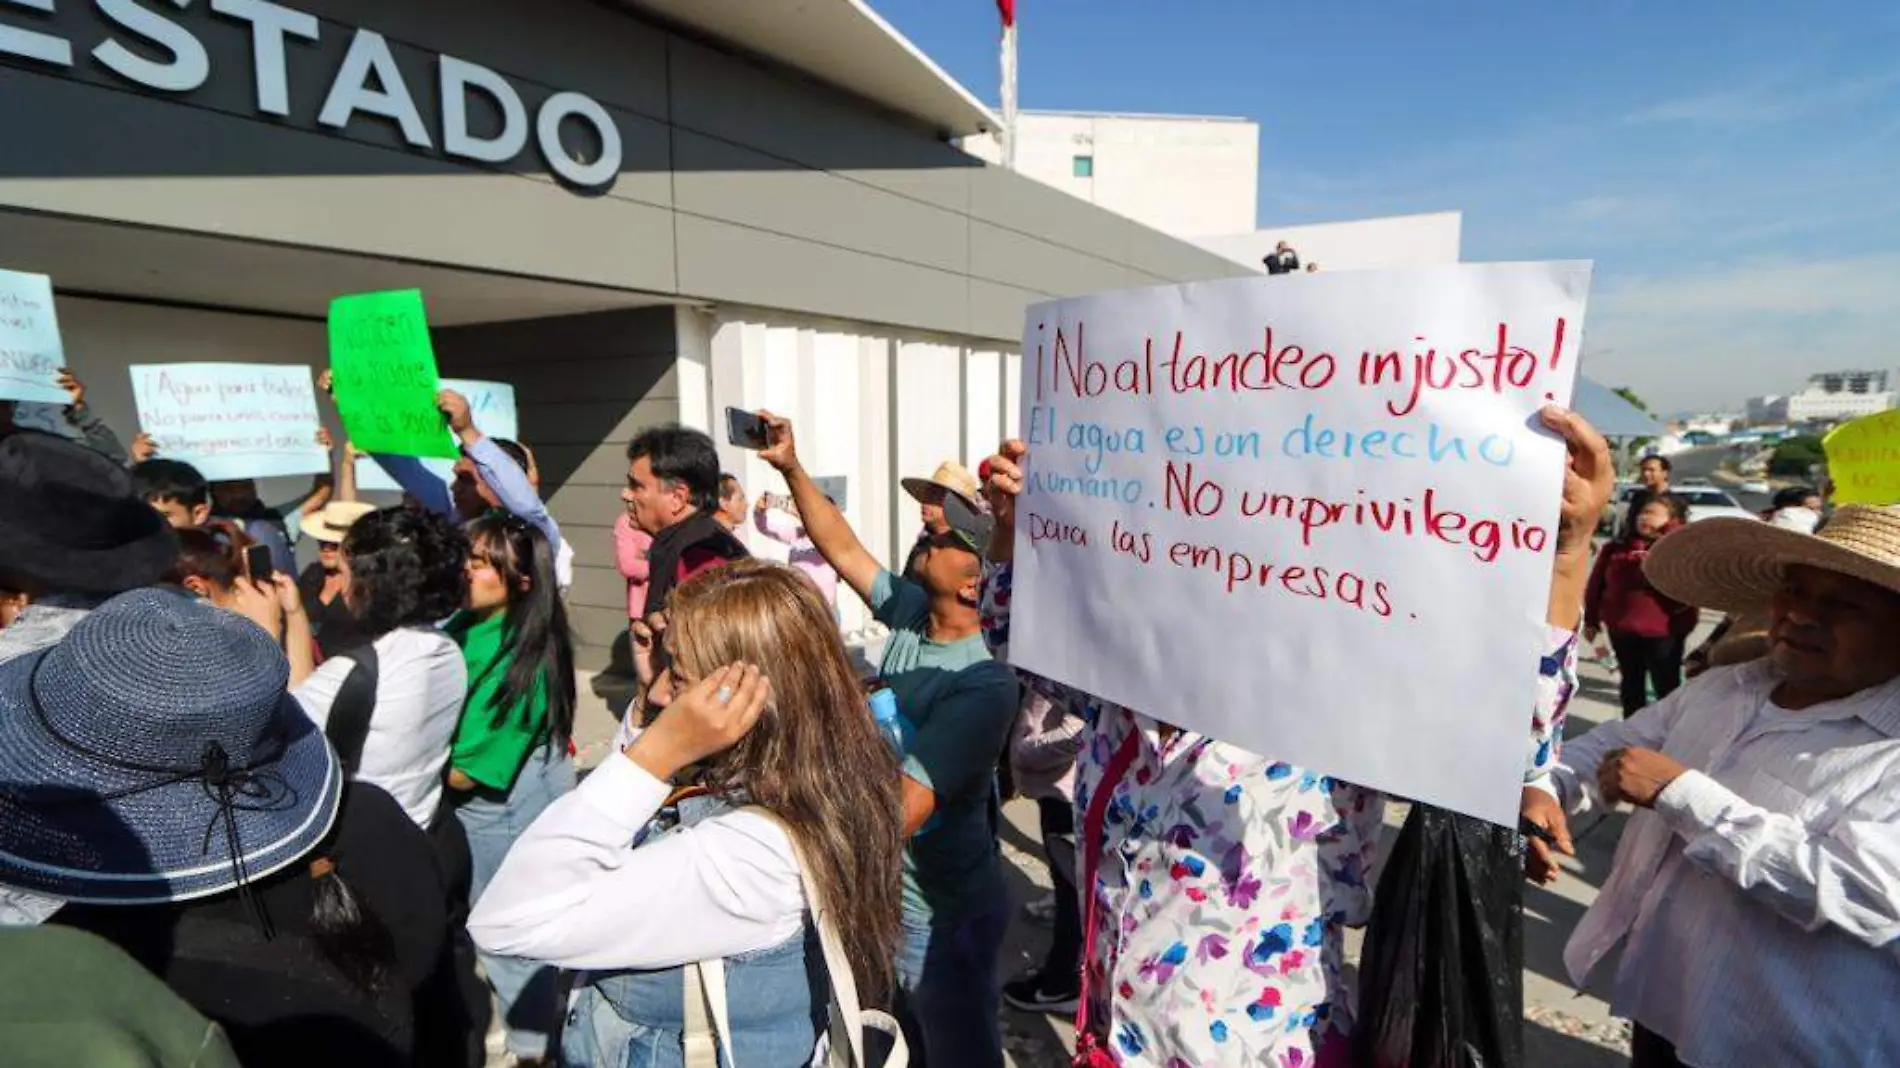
805	556
630	557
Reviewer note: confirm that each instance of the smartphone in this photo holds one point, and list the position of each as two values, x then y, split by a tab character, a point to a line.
746	429
257	563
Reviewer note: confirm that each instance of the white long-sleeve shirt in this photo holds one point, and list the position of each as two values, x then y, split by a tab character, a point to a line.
574	892
1761	897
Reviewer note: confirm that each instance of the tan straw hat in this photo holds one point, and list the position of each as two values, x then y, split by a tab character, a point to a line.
333	520
950	475
1736	565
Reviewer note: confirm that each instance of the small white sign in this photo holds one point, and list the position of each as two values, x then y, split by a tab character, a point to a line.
30	350
1311	515
232	420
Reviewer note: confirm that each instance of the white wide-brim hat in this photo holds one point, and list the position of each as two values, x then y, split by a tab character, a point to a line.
333	520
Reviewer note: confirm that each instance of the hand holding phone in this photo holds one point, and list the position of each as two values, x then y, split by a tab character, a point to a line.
746	430
257	564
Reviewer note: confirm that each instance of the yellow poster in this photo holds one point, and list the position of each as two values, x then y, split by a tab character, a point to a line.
1863	459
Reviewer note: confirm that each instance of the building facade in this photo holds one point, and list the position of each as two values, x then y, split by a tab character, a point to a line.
635	213
1837	395
1181	174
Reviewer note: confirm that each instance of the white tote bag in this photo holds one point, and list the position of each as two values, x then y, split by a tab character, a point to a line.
708	1024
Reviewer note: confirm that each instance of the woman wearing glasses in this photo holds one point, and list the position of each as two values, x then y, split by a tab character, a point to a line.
510	757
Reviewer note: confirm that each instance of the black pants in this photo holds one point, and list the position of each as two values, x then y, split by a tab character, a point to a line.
1643	662
1650	1050
1058	842
453	1006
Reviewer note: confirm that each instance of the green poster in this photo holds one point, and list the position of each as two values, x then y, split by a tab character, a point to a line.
384	375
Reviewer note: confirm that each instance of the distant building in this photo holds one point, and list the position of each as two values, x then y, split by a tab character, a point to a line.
1835	395
1772	408
1185	175
1197	177
1716	424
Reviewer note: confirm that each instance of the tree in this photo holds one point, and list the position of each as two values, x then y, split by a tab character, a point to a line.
1796	456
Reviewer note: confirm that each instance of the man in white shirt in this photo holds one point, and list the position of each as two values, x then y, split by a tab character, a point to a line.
1756	891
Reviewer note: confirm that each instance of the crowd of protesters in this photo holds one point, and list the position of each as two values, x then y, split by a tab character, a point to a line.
251	815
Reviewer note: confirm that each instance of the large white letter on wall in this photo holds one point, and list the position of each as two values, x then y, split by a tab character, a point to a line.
458	76
350	93
548	132
270	24
189	66
30	44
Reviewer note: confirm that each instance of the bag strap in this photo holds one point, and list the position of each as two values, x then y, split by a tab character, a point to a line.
347	726
708	1026
846	1010
1091	859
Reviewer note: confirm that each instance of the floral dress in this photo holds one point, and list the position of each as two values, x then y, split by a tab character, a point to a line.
1226	882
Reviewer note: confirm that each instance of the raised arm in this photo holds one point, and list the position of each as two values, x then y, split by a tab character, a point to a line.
512	486
774	524
92	429
418	481
824	524
1588	479
346	472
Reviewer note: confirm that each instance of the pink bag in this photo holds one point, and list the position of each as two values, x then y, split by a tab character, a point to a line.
1088	1051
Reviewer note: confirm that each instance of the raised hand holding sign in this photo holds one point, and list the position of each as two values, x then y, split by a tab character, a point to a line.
384	377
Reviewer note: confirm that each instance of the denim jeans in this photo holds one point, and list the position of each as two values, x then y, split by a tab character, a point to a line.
526	990
947	968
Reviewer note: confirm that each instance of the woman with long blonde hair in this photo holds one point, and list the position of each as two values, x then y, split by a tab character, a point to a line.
661	858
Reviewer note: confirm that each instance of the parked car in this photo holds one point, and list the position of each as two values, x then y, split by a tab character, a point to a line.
1707	502
1756	486
1704	501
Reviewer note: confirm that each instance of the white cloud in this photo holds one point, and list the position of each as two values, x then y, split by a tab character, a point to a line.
1710	339
1772	100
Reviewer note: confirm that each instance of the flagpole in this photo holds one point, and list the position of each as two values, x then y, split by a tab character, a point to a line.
1009	85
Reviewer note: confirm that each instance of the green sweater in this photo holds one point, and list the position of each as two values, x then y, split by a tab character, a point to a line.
74	999
493	754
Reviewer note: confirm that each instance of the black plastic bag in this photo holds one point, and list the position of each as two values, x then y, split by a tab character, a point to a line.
1441	977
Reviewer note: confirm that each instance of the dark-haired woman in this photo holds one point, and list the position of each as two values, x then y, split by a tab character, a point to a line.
1648	630
510	758
404	573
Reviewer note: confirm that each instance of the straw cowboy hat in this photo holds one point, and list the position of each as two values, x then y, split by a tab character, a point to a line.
950	476
333	520
1736	565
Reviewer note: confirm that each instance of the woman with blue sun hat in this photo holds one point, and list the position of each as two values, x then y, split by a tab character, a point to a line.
157	779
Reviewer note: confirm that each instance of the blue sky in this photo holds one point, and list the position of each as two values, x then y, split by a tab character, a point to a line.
1732	168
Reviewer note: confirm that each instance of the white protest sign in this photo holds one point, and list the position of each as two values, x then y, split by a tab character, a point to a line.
232	420
30	350
491	404
1308	515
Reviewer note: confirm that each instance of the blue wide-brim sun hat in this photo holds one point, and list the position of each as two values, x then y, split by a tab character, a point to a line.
136	752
